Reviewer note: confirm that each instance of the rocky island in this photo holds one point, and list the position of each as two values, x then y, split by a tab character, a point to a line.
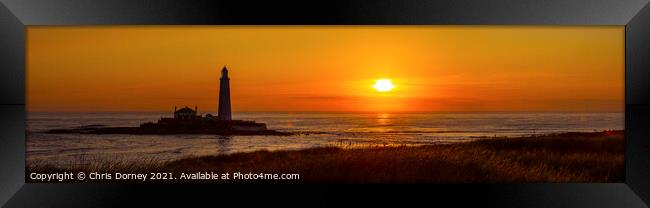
185	121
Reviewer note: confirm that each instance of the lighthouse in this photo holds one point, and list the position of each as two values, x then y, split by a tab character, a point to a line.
224	96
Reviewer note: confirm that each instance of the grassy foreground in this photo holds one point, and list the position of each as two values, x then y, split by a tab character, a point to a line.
569	157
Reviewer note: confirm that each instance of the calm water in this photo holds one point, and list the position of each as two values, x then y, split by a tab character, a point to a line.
346	130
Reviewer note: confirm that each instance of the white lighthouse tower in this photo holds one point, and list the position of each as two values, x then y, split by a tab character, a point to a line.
224	96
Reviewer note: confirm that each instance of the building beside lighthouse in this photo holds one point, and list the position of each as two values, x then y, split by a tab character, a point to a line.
185	113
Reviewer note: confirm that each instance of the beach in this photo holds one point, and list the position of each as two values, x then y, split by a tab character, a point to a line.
565	157
344	130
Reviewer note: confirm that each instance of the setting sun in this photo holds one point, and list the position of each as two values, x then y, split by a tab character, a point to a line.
383	85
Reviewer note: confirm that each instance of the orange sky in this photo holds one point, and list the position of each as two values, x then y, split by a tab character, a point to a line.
326	68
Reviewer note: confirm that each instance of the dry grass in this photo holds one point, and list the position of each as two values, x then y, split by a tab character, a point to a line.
571	157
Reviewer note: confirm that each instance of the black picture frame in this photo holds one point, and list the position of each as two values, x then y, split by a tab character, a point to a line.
16	15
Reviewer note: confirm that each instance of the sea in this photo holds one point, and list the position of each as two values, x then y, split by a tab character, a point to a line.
345	130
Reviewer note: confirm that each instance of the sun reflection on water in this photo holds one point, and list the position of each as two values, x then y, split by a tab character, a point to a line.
383	119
